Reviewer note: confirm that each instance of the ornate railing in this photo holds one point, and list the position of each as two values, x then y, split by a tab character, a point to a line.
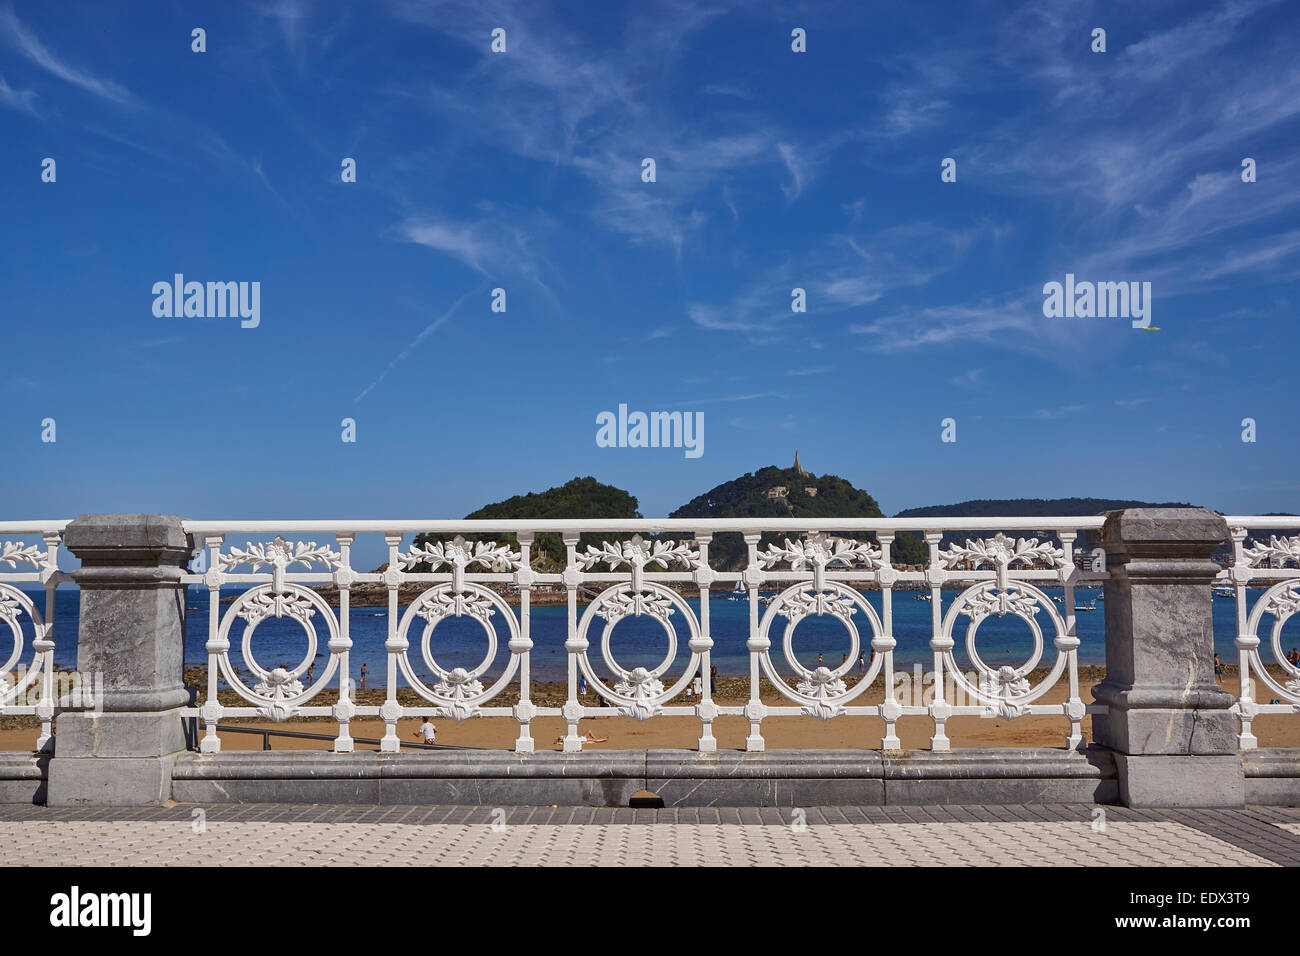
648	575
1273	565
27	685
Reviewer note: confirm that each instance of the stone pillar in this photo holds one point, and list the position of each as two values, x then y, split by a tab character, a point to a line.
132	632
1169	726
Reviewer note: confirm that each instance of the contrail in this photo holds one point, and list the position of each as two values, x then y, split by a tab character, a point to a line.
428	330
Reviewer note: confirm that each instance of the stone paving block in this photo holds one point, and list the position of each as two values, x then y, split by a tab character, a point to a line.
919	836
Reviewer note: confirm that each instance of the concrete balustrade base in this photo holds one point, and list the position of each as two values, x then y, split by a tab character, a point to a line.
138	734
23	777
109	781
1270	777
1151	782
679	777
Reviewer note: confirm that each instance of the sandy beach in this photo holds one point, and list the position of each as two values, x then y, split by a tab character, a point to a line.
674	732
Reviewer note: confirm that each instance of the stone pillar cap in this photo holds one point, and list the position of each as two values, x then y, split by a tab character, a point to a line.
1162	526
125	532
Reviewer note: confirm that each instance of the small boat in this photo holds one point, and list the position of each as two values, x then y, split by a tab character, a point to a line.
1087	607
1224	592
924	597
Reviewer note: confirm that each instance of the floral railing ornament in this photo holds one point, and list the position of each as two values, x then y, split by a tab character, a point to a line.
277	692
1003	690
1278	553
1006	690
14	553
280	554
638	692
458	692
638	553
14	606
461	554
31	691
822	551
1003	552
1277	560
819	691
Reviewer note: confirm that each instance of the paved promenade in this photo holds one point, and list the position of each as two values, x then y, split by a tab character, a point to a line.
280	835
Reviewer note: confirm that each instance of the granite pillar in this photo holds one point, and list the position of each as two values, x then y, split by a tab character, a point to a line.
1169	726
132	633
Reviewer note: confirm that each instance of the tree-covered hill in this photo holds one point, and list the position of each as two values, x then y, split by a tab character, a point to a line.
1026	508
1031	507
579	498
773	492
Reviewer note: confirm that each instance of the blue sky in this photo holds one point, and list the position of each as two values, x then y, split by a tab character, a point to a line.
522	170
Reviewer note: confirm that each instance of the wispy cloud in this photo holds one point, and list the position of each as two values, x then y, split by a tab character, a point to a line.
594	109
142	118
1149	187
24	101
748	397
31	47
993	322
1053	414
841	273
455	239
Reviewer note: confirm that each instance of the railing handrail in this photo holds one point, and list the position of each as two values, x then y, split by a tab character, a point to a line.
445	526
1281	522
35	526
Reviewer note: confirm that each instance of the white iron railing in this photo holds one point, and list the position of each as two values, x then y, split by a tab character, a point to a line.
1275	564
818	575
18	550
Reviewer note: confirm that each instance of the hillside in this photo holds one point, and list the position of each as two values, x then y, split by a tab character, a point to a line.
773	492
579	498
1027	508
1030	507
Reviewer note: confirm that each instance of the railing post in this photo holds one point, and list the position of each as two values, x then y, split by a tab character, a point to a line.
132	631
1169	725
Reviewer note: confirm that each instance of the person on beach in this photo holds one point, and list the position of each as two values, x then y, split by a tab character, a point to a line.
363	676
697	685
582	687
713	681
1218	666
588	737
427	731
862	662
